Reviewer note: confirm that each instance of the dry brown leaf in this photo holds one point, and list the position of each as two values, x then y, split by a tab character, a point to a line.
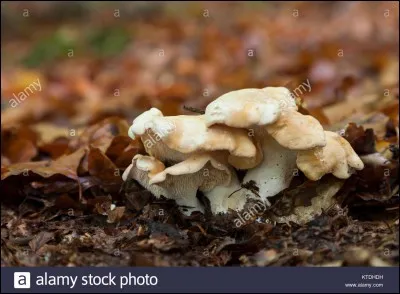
66	165
18	144
114	215
101	134
40	239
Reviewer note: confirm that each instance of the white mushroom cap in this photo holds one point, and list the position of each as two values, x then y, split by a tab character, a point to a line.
296	131
148	164
250	107
174	138
273	108
144	163
243	108
286	99
337	157
140	123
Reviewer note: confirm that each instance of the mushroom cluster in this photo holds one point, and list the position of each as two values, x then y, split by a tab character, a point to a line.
259	131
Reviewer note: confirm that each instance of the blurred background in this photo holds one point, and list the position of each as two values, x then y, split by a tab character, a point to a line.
96	59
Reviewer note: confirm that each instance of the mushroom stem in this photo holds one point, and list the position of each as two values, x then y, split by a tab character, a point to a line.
185	198
276	170
224	198
184	195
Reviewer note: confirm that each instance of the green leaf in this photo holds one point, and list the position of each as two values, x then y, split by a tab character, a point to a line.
109	41
48	49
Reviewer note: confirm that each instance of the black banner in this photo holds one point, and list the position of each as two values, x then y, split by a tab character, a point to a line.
201	280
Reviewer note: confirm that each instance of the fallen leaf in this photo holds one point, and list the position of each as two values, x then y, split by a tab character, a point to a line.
362	141
101	134
101	167
18	144
115	214
40	239
122	149
49	132
307	201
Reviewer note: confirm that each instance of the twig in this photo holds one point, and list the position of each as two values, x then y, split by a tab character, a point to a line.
235	192
251	186
192	109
